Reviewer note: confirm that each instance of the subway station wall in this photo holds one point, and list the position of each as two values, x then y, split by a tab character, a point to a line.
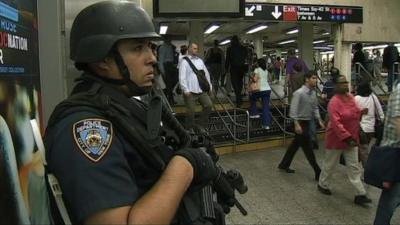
381	19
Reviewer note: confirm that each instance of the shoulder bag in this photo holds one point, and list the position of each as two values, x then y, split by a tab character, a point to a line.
383	164
201	76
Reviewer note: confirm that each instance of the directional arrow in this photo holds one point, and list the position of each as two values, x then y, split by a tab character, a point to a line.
276	14
249	11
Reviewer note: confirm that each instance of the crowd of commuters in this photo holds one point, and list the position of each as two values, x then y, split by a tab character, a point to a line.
350	117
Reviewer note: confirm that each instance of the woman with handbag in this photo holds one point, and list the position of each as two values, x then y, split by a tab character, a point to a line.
365	99
259	88
342	137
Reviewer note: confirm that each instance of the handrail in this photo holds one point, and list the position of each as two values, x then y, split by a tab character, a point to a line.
283	115
360	67
233	120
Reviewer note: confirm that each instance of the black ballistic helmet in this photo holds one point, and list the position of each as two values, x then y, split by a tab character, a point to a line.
99	26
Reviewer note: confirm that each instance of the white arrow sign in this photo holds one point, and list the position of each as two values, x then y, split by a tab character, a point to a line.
249	12
276	14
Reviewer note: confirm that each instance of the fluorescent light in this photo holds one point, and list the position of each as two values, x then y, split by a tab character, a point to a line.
225	42
294	31
331	46
374	47
283	52
326	33
319	41
286	42
211	28
257	28
163	29
322	48
327	52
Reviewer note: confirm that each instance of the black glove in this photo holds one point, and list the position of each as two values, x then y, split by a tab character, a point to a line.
204	170
225	192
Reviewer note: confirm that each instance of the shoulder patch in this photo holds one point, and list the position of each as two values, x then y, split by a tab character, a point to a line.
93	137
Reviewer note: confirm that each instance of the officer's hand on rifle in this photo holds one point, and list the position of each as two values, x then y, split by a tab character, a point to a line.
204	170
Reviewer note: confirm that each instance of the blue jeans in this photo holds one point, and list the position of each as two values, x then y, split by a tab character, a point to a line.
266	115
388	202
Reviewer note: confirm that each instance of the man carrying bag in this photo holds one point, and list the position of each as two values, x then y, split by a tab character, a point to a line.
194	79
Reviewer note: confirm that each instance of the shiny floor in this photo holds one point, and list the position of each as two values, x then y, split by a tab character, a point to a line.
276	197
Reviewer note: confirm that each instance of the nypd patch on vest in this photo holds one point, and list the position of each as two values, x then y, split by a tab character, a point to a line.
93	137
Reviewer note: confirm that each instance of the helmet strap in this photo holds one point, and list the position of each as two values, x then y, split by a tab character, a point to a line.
134	89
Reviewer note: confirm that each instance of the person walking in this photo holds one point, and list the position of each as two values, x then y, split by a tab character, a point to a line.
303	108
390	56
214	61
342	136
262	77
235	63
365	99
191	89
390	196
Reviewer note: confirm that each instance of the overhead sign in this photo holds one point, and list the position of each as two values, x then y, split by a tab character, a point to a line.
306	13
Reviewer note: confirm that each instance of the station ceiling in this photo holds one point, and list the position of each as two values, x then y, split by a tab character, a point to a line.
275	33
179	28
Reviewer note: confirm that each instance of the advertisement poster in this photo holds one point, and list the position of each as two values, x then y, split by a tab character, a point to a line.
21	170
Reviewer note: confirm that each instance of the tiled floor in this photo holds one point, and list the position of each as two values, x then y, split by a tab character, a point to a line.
275	197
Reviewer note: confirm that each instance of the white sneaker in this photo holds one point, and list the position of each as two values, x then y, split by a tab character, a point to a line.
266	127
254	116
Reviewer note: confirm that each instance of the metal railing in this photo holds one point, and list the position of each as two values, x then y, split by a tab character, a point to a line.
233	119
359	68
282	114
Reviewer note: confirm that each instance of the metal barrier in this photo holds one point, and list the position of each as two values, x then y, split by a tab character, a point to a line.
282	114
361	69
232	119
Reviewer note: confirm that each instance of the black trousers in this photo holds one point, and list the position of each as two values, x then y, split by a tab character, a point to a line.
171	78
304	141
237	74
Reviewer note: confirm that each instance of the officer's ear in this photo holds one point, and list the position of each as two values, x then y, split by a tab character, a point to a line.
106	66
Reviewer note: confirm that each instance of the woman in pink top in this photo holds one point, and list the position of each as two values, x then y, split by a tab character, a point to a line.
342	137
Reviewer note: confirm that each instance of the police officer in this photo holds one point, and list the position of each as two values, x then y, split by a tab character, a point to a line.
107	174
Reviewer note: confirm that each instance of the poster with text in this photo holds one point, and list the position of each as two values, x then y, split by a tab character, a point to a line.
21	170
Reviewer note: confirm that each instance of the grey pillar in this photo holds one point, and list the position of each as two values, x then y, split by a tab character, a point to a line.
342	53
51	53
305	43
258	45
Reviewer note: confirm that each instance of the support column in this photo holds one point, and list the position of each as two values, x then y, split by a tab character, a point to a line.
52	61
342	55
196	36
258	45
305	44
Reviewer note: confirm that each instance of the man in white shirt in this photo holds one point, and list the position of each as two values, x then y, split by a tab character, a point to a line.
191	88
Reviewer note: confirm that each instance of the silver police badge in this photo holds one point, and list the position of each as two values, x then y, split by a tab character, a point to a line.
93	137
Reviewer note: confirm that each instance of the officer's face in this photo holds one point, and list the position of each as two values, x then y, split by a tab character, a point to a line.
139	59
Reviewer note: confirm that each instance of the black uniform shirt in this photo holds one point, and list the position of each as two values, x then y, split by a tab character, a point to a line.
96	166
